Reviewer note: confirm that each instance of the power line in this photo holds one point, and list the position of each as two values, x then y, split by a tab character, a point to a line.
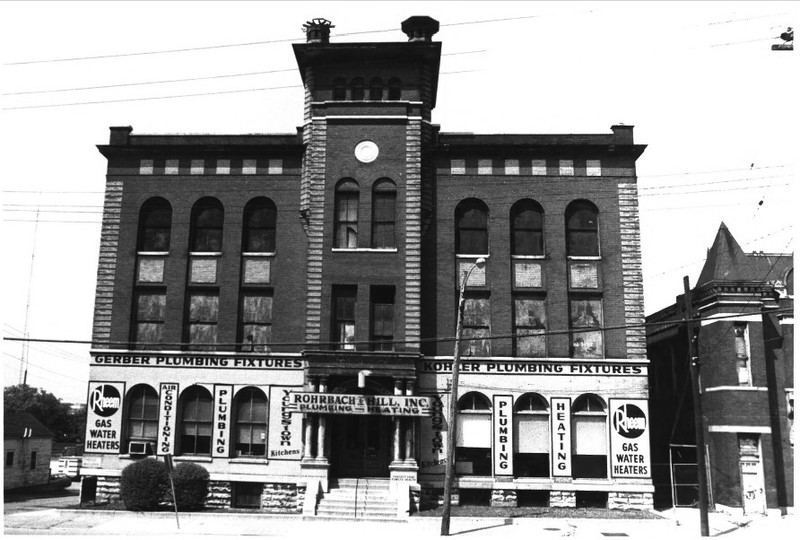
396	342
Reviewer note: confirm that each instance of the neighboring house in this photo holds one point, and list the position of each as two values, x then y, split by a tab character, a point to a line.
280	308
27	445
745	304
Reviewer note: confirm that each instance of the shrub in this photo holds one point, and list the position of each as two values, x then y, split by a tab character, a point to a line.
191	485
143	484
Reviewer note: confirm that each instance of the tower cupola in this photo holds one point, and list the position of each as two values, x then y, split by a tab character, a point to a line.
420	28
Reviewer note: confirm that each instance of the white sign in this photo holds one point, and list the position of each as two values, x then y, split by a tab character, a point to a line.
223	418
104	417
630	438
561	436
433	434
503	435
285	429
166	420
190	360
322	403
536	367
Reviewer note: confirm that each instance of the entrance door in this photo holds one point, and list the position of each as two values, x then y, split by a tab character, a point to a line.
360	446
753	496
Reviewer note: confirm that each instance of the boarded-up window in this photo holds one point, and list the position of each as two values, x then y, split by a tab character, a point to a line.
344	313
260	216
530	323
458	166
582	229
203	317
472	228
475	328
256	329
150	318
207	218
196	417
484	166
539	167
512	166
565	167
346	215
383	318
593	167
585	316
384	198
527	231
251	423
142	413
155	222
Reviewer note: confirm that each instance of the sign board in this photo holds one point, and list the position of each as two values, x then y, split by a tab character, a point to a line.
503	435
168	409
630	438
322	403
222	421
197	361
537	367
561	436
433	436
285	429
104	417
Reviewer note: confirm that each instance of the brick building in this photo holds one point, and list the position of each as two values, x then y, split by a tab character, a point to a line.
744	344
281	308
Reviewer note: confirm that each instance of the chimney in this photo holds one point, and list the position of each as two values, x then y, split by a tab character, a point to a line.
420	28
318	31
119	135
622	134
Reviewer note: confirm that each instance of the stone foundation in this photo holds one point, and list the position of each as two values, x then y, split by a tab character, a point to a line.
107	489
504	497
434	497
621	500
219	494
562	499
283	498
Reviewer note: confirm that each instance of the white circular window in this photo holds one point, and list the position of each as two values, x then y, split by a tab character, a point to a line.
366	151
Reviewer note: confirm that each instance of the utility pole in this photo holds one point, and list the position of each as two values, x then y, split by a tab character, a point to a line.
450	466
699	429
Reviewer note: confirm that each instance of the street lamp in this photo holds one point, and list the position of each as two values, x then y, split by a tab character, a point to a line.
450	465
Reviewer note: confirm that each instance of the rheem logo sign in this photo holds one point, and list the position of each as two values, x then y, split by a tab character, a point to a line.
630	439
104	417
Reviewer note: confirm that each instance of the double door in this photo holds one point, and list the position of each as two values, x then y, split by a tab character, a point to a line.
360	445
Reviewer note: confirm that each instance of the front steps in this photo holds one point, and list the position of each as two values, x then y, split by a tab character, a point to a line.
358	498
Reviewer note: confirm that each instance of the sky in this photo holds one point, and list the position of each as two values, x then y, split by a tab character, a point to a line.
699	81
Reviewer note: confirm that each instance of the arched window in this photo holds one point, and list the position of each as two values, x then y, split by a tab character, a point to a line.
582	229
155	222
207	219
376	89
472	228
357	89
258	231
346	214
251	423
589	437
339	89
142	417
384	198
195	421
527	230
531	436
474	435
394	89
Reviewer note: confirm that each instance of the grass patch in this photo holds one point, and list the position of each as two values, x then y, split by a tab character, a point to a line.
537	512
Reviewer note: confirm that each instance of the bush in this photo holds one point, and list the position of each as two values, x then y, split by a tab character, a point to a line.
143	484
191	485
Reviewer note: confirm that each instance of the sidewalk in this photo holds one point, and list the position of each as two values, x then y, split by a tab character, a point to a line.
114	523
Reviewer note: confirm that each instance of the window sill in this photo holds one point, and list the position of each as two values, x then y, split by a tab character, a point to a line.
584	258
529	257
198	459
252	460
205	253
258	254
152	253
364	250
471	256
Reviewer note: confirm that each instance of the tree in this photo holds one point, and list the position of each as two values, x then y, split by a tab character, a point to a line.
47	408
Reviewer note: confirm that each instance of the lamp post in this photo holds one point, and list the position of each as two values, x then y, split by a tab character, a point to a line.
450	466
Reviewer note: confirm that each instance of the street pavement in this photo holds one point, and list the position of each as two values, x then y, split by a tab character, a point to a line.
38	517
